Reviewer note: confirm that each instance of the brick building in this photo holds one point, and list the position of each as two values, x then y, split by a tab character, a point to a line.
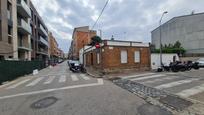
81	37
53	49
118	55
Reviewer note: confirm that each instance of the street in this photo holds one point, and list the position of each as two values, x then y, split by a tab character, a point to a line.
57	91
188	85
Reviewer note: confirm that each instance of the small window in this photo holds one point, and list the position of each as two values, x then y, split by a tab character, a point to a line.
98	58
123	57
137	56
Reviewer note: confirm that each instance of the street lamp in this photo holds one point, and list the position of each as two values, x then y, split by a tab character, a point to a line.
161	38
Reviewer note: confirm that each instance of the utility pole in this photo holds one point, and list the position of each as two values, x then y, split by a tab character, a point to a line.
100	50
160	38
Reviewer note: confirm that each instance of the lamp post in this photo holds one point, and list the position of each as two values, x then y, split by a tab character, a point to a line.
160	38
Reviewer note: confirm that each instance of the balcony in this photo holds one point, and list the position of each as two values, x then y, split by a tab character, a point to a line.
23	47
42	31
42	51
23	8
23	27
43	41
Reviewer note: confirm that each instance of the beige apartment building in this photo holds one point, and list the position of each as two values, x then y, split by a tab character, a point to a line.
15	29
8	29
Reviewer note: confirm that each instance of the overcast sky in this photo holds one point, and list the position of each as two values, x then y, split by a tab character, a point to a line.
124	19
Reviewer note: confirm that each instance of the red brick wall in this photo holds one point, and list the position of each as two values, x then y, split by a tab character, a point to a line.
111	58
83	38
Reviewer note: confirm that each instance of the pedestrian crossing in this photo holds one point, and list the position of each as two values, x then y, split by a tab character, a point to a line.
172	82
33	81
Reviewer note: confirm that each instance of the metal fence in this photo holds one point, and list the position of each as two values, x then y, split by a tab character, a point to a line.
10	70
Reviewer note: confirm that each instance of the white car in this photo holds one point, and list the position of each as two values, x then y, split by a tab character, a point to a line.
200	62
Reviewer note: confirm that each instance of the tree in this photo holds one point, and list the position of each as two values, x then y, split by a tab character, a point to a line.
177	44
94	40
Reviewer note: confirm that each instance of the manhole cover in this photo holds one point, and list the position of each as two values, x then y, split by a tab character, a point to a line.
44	103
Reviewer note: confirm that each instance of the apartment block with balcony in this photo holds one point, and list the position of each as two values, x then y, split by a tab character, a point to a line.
39	37
81	37
53	49
7	28
24	29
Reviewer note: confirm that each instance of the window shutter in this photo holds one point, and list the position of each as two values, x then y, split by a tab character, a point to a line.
123	56
137	56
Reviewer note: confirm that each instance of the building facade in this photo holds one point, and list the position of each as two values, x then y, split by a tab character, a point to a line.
8	29
23	34
118	55
39	37
187	29
53	49
23	29
81	37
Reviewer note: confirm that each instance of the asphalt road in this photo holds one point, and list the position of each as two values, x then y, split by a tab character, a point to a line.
189	84
57	91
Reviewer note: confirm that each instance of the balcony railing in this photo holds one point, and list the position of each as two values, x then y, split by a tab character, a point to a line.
43	51
24	27
43	30
43	41
23	8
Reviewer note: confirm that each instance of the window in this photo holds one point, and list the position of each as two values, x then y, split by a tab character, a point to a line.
123	56
9	35
9	9
137	56
98	58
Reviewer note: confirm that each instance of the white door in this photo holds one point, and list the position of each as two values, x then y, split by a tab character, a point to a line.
123	56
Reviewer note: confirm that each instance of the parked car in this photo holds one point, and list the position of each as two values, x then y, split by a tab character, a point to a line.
200	62
75	66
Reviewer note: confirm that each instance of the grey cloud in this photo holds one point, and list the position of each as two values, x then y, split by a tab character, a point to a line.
135	17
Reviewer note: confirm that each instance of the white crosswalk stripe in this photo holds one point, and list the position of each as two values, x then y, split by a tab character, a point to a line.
62	79
34	82
17	84
161	79
74	77
147	77
192	91
49	80
139	75
84	77
175	83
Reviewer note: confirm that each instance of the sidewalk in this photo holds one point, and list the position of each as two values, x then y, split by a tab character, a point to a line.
98	74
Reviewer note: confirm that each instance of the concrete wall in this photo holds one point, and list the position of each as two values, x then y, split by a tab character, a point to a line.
166	59
189	30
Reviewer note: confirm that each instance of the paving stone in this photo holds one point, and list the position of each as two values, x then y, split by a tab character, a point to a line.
169	100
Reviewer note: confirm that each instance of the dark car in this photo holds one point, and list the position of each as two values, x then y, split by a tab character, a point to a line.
75	66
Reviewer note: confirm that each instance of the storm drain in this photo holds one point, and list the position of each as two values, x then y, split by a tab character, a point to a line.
167	99
44	103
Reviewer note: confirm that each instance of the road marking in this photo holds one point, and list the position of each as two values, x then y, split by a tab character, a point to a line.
191	91
62	79
147	77
7	84
176	83
139	75
34	82
74	77
17	84
84	77
100	82
162	79
49	80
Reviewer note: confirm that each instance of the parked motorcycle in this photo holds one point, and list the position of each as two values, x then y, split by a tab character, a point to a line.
179	66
